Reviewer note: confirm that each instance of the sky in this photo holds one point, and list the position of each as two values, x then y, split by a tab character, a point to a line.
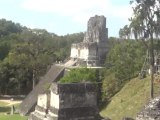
66	16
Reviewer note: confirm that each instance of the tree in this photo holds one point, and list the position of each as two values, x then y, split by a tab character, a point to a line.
124	32
26	53
146	17
7	27
135	29
4	50
123	62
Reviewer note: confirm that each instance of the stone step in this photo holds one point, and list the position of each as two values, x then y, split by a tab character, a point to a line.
29	103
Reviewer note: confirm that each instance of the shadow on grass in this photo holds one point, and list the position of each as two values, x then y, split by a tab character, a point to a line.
104	104
5	109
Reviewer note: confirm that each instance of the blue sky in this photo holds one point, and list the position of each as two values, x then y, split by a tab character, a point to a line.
66	16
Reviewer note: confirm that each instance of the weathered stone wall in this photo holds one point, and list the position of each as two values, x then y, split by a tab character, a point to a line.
86	52
102	51
73	101
41	108
93	49
74	51
77	101
79	51
96	29
42	100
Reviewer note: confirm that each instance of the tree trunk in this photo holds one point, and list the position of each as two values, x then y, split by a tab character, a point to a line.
152	67
33	79
19	88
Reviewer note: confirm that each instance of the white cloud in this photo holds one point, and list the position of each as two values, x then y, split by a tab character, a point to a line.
64	7
78	10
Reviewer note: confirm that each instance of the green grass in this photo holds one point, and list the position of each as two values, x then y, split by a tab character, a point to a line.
3	104
12	117
130	100
5	110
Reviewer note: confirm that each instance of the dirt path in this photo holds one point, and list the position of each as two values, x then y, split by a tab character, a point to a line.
11	102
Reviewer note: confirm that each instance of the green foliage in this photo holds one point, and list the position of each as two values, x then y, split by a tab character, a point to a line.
124	32
4	50
146	18
124	61
7	27
80	75
25	55
64	42
130	99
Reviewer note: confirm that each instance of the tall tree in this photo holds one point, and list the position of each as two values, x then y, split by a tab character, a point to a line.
123	62
146	16
7	27
124	32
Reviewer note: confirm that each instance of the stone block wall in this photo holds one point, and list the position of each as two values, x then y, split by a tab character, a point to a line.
41	108
76	101
93	49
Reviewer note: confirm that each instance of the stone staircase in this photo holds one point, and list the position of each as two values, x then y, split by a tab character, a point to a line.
70	62
29	103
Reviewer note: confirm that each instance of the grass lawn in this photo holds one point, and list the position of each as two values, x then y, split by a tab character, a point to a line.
5	109
130	100
3	103
12	117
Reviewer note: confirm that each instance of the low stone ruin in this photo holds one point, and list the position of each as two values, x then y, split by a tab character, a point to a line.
151	111
29	103
75	101
41	108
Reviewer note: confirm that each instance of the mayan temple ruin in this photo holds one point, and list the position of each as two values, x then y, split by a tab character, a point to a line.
72	101
92	51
